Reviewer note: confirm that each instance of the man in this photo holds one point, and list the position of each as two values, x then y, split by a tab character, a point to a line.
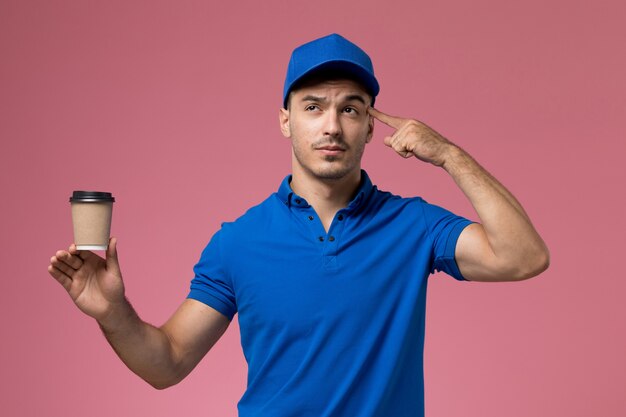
328	275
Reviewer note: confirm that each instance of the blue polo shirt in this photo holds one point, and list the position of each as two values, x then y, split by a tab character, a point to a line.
332	323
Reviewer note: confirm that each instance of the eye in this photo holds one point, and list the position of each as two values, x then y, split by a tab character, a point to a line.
350	110
311	107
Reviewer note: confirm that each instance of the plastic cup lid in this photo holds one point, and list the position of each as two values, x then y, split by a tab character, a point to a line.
91	197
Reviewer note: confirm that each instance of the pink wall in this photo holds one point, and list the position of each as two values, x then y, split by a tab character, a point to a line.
173	106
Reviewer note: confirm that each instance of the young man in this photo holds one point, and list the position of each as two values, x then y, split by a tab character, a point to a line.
328	275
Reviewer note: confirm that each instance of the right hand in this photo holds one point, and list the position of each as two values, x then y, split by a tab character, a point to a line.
94	284
414	138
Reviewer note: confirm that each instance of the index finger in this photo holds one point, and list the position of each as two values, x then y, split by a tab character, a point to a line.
82	254
392	121
73	250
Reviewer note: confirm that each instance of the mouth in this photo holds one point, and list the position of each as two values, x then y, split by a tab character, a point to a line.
330	149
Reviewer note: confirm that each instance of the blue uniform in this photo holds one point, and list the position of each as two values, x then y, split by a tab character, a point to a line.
332	323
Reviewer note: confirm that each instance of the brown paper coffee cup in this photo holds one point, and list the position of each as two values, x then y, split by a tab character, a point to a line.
91	218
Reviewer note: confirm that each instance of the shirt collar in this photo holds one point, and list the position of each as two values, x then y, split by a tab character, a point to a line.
287	196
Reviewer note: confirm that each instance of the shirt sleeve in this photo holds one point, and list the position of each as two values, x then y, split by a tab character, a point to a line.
211	284
444	228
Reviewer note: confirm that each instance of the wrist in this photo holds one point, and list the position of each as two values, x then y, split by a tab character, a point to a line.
451	156
120	315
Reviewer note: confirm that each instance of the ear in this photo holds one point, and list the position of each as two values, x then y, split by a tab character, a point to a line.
283	118
370	126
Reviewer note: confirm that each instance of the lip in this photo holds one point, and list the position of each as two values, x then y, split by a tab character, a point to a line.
330	150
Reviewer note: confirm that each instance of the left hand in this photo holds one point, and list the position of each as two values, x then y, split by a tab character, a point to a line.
414	138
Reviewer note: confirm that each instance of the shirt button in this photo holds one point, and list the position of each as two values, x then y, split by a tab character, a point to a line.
310	217
321	238
331	238
340	217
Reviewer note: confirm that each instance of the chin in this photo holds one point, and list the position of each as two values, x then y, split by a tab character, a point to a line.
333	173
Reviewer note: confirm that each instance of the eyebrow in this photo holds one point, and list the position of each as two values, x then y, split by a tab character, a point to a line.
356	97
314	98
321	99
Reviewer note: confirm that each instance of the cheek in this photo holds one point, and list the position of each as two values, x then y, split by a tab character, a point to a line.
298	137
303	131
362	131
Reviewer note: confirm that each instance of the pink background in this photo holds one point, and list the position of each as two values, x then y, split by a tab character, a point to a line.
173	107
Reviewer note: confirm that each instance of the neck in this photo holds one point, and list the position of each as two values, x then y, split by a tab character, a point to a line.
326	196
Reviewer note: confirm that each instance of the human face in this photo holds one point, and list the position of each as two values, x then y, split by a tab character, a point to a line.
328	125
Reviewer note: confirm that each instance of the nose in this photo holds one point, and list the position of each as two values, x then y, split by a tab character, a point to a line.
332	124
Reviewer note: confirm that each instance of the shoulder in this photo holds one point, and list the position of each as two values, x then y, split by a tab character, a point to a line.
387	201
410	211
255	218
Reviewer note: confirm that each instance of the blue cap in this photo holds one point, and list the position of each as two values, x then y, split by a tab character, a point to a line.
333	53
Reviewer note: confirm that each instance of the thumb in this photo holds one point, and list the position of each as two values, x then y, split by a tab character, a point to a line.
387	140
113	265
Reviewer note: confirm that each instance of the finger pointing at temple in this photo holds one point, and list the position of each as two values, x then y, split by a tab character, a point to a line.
414	138
391	121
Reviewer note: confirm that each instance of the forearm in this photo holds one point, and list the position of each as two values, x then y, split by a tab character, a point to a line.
505	246
161	356
512	238
145	349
